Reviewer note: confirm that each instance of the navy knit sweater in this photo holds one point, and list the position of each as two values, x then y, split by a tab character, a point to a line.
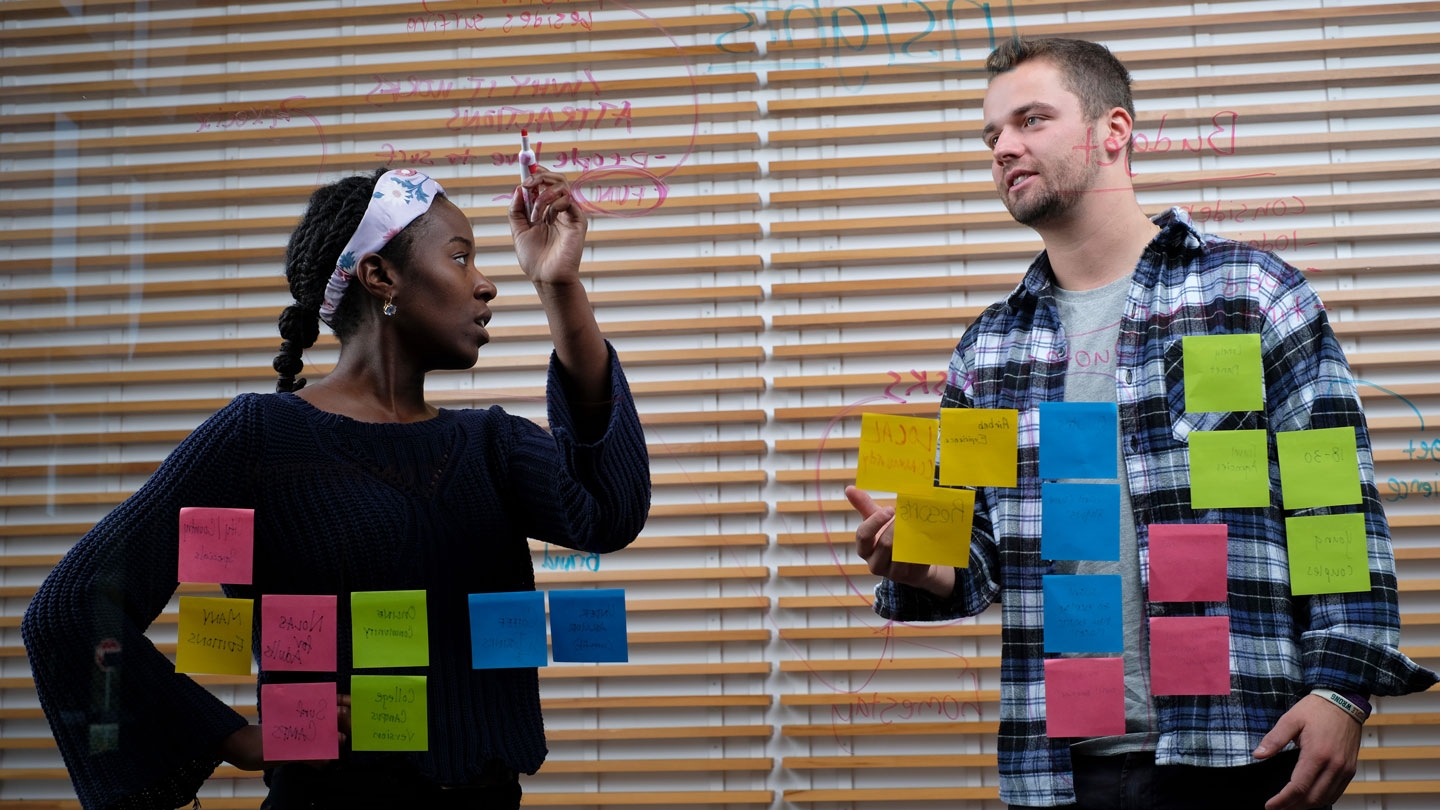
443	505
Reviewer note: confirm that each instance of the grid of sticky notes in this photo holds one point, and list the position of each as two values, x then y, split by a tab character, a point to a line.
977	447
1189	655
387	629
1080	521
1082	613
1230	469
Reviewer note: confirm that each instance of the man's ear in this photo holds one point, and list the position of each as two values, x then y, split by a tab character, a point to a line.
377	275
1119	127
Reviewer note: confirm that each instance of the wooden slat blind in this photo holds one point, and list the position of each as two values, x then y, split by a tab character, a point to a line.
828	229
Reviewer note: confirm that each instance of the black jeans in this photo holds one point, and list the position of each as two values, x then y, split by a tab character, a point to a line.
1135	782
303	787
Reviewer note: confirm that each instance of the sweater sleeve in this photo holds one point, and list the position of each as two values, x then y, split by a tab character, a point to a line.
591	496
1351	641
134	733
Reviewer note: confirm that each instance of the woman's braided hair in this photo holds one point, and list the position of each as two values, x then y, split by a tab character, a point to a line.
331	217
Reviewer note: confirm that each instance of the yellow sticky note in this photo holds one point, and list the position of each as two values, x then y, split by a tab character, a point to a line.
897	453
214	635
1328	554
1318	467
1229	469
1223	373
978	447
934	528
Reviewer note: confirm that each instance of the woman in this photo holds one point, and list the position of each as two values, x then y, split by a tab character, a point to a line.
358	484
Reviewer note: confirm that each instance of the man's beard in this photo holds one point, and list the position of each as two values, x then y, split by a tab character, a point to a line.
1059	195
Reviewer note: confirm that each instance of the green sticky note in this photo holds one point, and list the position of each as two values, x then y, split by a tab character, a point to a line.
1328	554
389	629
1223	373
1229	469
1318	467
389	713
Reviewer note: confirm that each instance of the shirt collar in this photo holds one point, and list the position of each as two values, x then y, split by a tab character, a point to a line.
1177	235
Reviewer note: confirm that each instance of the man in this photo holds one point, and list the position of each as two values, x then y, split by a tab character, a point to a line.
1114	284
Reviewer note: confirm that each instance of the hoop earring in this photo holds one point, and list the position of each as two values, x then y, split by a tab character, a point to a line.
389	306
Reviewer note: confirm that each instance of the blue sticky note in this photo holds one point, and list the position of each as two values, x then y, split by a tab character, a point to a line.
1083	614
588	625
1079	521
1078	439
507	630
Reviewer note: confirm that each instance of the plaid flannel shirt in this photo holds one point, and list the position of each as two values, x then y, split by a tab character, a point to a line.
1014	356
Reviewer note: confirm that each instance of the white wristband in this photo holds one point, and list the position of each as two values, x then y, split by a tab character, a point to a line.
1341	702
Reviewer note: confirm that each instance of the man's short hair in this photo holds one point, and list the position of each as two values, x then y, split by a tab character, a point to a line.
1090	70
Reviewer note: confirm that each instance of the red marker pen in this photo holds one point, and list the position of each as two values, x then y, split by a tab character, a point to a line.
527	168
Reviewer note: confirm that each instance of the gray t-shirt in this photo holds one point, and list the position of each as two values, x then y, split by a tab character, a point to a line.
1090	322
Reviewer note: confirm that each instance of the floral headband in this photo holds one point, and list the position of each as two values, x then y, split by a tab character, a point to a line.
401	196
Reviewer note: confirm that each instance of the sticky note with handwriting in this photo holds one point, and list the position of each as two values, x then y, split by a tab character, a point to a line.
389	629
1223	373
897	453
297	632
389	713
979	447
214	635
1084	697
507	630
1318	467
1190	655
1229	469
934	528
588	626
1083	613
217	545
1328	554
1079	521
1078	439
1188	562
298	721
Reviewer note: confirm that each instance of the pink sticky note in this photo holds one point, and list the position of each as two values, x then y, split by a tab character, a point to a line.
1187	562
216	545
1190	655
297	632
298	721
1084	697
